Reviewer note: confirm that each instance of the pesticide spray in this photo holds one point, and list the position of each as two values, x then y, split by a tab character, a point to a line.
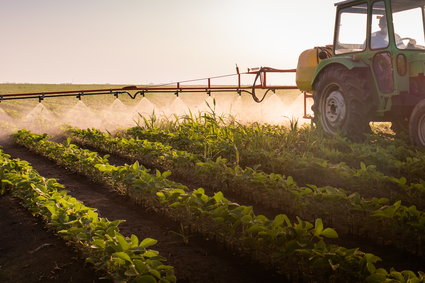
279	108
281	104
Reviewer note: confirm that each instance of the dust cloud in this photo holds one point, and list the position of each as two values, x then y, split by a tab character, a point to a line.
279	108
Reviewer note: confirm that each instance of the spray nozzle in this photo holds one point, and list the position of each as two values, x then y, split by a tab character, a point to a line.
79	95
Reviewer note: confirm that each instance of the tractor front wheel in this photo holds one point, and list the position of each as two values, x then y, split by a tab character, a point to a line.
417	124
342	103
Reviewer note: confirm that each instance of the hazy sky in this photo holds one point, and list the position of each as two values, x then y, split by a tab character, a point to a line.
154	41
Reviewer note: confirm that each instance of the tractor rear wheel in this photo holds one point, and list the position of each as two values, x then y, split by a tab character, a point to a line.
417	124
342	102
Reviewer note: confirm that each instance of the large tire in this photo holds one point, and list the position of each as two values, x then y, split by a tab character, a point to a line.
343	102
417	124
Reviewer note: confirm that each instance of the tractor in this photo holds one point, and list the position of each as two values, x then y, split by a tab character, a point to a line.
374	71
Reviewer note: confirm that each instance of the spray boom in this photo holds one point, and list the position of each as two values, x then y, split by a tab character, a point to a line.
175	88
260	83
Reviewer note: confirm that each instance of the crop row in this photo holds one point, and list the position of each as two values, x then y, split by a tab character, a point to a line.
350	214
297	249
392	156
246	147
99	240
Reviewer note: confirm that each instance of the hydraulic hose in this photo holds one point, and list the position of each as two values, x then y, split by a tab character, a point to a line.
256	99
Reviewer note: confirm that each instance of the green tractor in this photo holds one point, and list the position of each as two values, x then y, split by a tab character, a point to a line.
374	71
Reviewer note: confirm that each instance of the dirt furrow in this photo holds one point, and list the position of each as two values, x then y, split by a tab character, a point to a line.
31	253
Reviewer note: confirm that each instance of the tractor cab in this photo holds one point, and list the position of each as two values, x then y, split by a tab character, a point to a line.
376	25
387	35
374	71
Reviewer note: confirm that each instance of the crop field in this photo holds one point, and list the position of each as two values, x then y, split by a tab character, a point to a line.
125	190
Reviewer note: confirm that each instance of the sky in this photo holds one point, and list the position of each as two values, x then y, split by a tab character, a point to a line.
154	41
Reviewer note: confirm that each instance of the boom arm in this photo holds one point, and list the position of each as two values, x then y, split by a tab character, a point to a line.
175	88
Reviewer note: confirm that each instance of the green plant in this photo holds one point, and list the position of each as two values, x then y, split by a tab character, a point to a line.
335	205
120	258
297	249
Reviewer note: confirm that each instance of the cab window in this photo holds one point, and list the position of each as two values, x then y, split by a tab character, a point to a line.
351	29
379	38
409	29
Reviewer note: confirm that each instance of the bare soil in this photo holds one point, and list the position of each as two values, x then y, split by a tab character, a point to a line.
31	253
199	260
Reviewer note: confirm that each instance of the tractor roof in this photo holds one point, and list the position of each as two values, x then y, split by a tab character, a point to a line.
397	5
344	2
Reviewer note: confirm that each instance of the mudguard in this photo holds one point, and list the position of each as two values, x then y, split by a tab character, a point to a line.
349	63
